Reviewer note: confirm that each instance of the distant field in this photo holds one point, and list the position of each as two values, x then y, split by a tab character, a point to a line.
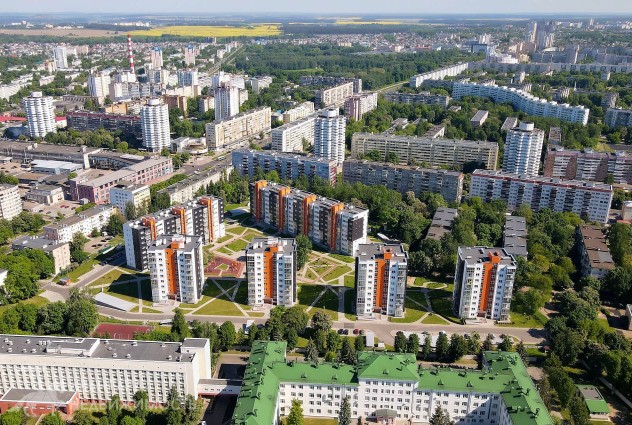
59	32
261	30
349	22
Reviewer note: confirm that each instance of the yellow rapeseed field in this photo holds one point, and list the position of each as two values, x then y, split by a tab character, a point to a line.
352	22
259	30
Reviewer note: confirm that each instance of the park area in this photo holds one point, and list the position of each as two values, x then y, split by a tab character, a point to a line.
224	266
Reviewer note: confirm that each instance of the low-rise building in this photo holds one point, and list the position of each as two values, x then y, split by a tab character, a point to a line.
70	364
288	166
176	268
595	258
404	178
10	201
191	145
515	236
271	271
40	402
126	193
84	222
45	194
380	280
58	251
441	223
54	167
479	118
594	401
483	283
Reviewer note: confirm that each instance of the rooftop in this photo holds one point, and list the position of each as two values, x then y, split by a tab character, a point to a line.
543	180
594	400
480	254
38	396
12	145
79	217
35	242
594	241
441	222
260	245
372	251
382	165
109	178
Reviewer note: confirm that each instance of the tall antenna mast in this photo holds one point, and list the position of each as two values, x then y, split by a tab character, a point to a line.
130	53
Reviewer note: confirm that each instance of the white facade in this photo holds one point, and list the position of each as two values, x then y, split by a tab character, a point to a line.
60	55
98	368
523	149
138	195
155	125
10	201
301	111
188	77
156	58
226	102
84	222
483	283
290	137
40	114
271	271
523	101
189	55
380	281
176	268
359	104
439	74
588	199
232	131
329	135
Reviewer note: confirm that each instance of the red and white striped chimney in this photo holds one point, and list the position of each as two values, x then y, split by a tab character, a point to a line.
130	53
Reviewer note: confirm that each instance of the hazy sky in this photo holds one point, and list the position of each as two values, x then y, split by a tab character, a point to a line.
417	7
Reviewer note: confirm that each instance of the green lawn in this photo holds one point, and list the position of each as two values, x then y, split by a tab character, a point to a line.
220	307
150	310
308	293
350	300
225	251
111	276
328	301
229	207
434	285
336	272
433	319
36	301
251	234
211	289
238	230
225	238
83	268
310	275
344	258
237	245
315	421
350	281
203	300
418	296
518	320
412	314
419	281
241	297
443	307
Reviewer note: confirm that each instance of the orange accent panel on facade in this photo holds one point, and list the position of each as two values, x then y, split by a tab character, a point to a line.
257	195
380	266
306	202
268	275
493	262
151	223
332	224
170	272
179	211
208	203
282	194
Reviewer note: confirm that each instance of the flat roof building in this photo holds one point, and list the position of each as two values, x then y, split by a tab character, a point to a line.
515	236
85	222
595	257
10	201
227	133
271	271
479	118
58	251
441	223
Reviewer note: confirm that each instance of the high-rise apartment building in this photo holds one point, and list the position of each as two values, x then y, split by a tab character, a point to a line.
326	222
483	283
189	55
40	114
188	77
294	136
618	117
329	135
156	57
380	279
226	102
522	101
359	104
288	166
10	201
271	271
176	268
203	217
523	149
60	55
588	165
88	120
426	151
404	178
586	199
301	111
99	86
334	96
230	132
155	125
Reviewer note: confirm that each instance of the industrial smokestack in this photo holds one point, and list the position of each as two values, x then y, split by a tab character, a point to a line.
130	53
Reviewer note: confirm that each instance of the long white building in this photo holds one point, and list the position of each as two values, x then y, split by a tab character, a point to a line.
295	135
522	101
523	149
271	271
587	199
40	114
288	166
439	74
483	283
100	368
388	385
227	133
329	135
10	201
380	280
301	111
334	96
85	222
176	268
155	125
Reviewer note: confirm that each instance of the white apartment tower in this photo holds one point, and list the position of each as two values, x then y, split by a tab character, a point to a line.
226	101
380	281
189	55
60	54
271	271
10	201
155	125
329	135
483	283
99	85
40	114
523	149
176	268
156	58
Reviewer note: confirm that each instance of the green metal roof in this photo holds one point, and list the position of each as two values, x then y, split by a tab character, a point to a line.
267	368
594	400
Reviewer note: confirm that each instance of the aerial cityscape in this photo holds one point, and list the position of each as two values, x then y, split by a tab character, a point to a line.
331	213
